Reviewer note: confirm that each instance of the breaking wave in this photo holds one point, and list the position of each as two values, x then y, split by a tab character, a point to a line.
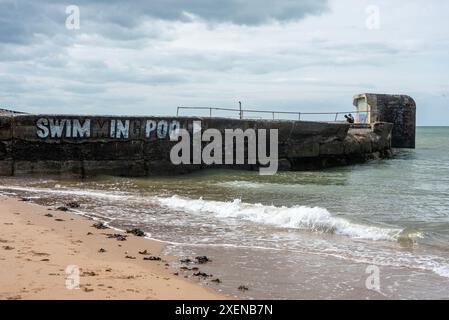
314	219
297	217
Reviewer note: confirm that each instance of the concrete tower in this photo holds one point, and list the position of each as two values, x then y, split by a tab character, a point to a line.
397	109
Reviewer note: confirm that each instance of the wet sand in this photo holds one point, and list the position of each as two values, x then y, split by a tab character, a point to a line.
38	244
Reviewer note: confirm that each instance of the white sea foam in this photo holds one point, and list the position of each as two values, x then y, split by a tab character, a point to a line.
237	184
298	217
72	192
247	184
441	270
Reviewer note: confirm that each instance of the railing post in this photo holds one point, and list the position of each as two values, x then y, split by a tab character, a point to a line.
273	115
299	116
240	108
336	117
177	111
210	112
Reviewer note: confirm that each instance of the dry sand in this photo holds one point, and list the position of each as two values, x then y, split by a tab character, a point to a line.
36	249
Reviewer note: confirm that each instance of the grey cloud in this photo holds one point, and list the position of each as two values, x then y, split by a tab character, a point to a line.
249	12
21	20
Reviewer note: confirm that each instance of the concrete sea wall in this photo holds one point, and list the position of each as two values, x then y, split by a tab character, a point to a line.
140	146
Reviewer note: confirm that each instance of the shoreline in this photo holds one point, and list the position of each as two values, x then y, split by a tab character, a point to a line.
44	249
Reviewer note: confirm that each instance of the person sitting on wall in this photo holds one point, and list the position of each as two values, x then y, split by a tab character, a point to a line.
349	118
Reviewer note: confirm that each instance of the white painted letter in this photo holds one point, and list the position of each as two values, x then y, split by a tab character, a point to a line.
122	129
57	127
174	127
81	131
150	127
162	128
42	126
68	128
112	130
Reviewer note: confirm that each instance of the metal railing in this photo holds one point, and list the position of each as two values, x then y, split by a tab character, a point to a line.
241	112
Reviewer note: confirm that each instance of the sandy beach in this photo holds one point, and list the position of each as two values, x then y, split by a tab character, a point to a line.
39	244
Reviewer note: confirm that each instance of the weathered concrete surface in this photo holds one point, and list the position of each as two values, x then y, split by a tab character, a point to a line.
400	110
140	146
359	145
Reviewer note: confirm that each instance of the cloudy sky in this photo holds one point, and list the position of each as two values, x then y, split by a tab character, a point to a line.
149	57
